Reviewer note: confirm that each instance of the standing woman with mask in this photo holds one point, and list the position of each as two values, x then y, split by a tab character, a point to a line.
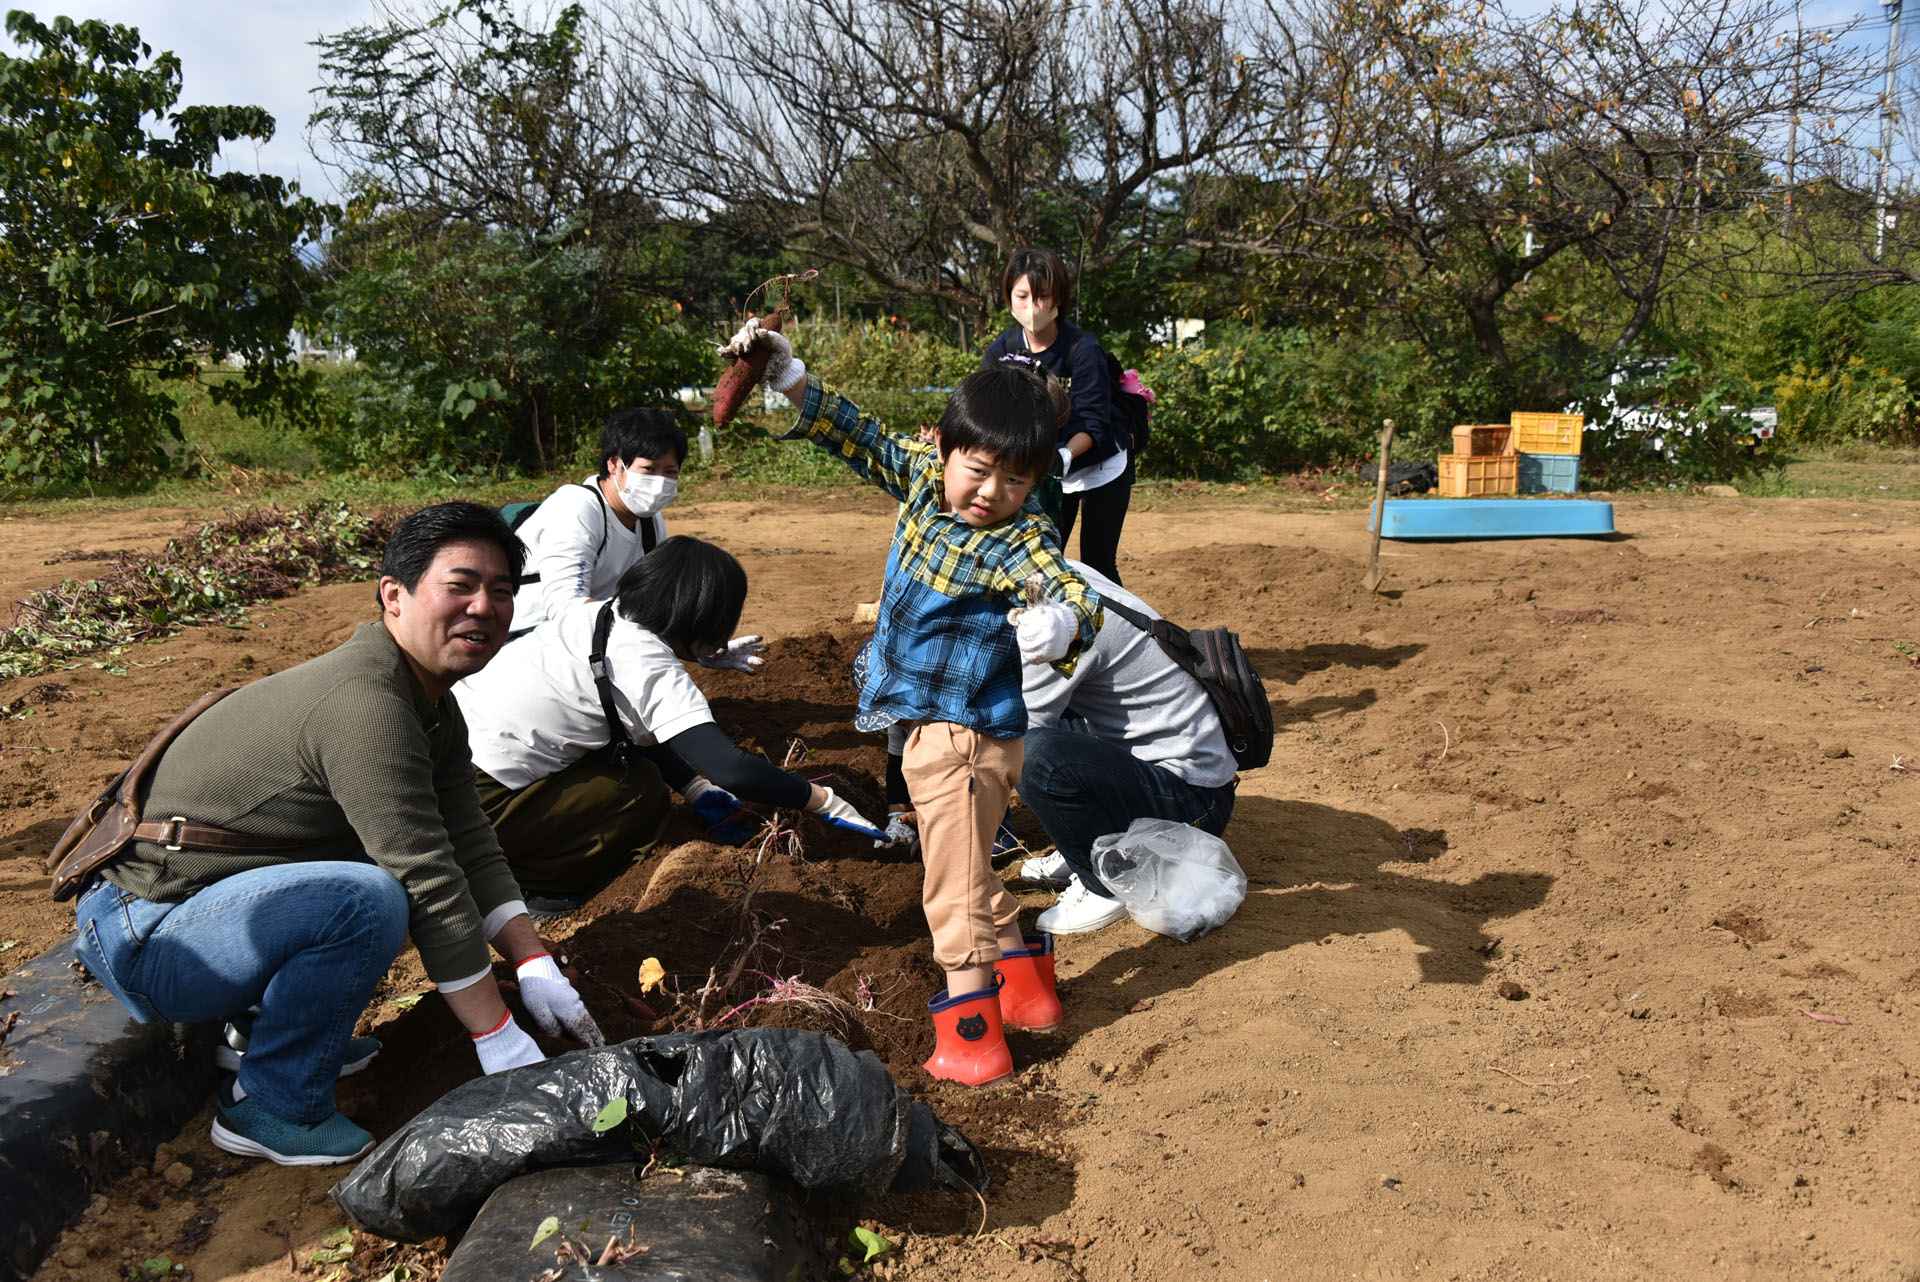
584	537
1096	464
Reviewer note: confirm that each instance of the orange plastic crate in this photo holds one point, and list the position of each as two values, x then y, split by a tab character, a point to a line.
1535	433
1483	438
1472	476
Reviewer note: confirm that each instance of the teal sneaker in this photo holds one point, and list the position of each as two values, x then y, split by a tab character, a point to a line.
233	1048
247	1128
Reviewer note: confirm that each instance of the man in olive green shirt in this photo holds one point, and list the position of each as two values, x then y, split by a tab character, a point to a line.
353	770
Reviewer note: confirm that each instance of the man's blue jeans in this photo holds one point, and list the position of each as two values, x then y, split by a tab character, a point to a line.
306	942
1083	787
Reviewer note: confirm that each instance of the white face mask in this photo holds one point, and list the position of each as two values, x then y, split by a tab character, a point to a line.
1035	314
644	495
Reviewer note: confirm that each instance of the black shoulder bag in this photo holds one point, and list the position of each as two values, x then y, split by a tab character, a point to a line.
1215	658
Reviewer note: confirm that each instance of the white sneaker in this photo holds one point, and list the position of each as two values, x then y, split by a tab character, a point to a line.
1047	870
1080	911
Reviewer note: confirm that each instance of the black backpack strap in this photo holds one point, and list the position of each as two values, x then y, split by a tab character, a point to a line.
1172	638
1132	616
597	664
606	517
649	534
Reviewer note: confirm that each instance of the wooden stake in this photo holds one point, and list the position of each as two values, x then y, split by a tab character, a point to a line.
1374	573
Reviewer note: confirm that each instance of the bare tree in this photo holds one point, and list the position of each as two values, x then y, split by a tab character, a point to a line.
1870	234
920	141
465	115
1465	148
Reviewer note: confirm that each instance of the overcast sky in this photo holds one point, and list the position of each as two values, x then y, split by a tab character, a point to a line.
255	53
260	53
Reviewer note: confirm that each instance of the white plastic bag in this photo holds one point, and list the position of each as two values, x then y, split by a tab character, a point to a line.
1172	877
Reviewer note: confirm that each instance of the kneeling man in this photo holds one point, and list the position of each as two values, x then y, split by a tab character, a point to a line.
337	815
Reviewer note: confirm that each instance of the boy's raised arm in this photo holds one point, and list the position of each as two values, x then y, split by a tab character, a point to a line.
828	419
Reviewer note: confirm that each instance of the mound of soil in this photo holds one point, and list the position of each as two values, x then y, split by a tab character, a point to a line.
812	927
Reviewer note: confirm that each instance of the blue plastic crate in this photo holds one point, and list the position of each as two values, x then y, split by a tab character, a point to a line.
1549	473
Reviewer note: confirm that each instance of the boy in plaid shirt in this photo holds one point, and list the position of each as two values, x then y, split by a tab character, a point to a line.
944	659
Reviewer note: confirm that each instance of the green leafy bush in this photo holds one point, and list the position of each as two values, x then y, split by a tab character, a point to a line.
881	368
377	418
1672	423
480	351
1250	402
1854	401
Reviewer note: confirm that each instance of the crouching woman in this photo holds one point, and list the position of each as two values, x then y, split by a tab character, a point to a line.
581	727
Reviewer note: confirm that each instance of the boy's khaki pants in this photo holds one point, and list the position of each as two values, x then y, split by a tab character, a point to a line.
961	782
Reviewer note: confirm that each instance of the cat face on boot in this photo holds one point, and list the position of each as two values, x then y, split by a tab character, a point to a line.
972	1027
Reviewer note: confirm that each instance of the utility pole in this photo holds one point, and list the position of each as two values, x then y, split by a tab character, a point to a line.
1527	249
1793	120
1889	108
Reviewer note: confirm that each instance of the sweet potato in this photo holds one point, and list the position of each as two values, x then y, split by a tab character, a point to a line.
743	373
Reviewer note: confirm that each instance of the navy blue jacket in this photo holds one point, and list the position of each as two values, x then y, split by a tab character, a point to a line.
1076	358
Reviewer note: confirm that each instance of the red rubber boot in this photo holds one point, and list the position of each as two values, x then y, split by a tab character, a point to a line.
1027	996
969	1043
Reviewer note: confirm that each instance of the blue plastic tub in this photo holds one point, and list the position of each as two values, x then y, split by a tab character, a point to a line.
1496	519
1549	473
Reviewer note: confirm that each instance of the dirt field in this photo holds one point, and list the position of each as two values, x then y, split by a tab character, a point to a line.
1580	941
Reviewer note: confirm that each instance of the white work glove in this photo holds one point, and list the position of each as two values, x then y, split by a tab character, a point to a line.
550	999
839	814
507	1046
742	654
784	371
900	832
1045	631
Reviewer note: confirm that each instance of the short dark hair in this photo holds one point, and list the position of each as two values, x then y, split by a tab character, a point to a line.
1048	276
687	592
1056	388
634	433
418	539
1007	412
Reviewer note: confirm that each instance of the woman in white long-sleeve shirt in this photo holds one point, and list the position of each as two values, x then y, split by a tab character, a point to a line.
584	536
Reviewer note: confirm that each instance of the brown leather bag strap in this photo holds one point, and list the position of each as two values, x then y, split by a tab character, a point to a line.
134	776
179	833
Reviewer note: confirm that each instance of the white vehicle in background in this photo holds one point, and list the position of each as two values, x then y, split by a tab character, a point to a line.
1627	408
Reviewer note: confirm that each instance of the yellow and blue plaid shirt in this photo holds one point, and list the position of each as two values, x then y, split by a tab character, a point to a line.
942	649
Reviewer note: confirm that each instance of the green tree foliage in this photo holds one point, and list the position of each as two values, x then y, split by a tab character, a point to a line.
477	349
126	261
502	271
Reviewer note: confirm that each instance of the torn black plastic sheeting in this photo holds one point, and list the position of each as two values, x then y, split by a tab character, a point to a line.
85	1092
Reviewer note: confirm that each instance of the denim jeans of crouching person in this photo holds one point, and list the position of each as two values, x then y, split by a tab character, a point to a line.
1082	787
306	942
